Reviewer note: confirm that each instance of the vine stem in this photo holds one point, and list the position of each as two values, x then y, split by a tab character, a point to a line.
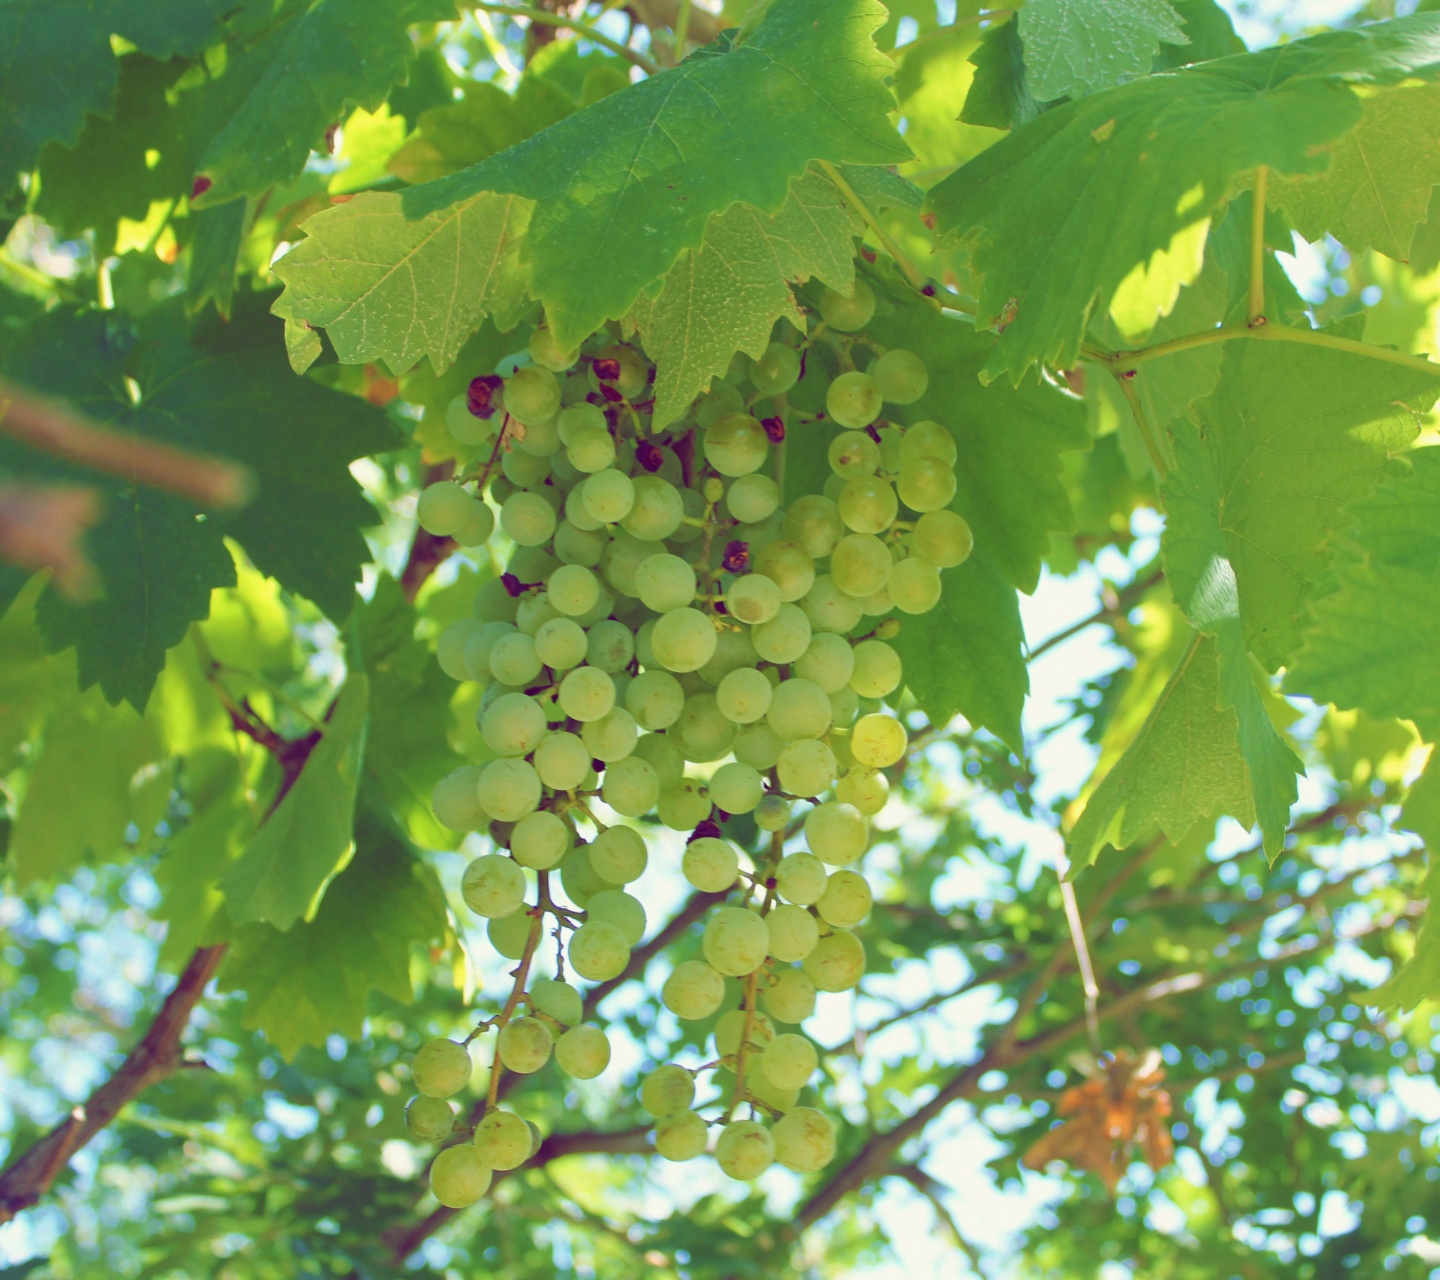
1082	957
1125	380
1255	310
562	22
522	972
912	272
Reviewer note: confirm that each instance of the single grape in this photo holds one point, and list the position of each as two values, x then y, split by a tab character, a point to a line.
829	661
441	1068
509	789
846	900
458	1177
735	941
547	353
522	469
534	612
510	935
799	709
772	813
539	439
868	505
790	997
479	525
608	496
444	508
813	522
532	395
681	1136
861	564
744	695
800	878
753	599
693	991
582	1052
558	1000
664	757
806	767
514	660
720	400
943	538
789	1060
573	590
513	724
927	440
836	833
915	585
847	312
658	510
470	428
853	400
785	637
829	608
590	449
731	1026
736	787
618	855
455	800
655	699
901	376
540	840
666	1090
598	951
736	445
587	693
683	640
837	963
854	455
632	370
502	1140
793	932
702	732
579	878
865	788
609	645
429	1119
493	885
733	651
804	1140
877	669
612	737
560	644
527	518
710	864
926	484
524	1045
745	1150
878	740
775	372
664	582
759	747
614	906
752	498
452	645
631	787
561	761
788	565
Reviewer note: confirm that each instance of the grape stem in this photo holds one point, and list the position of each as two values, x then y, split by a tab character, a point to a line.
752	981
517	992
912	272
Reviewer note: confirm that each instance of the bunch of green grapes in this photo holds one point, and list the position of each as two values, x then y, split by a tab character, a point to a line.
668	640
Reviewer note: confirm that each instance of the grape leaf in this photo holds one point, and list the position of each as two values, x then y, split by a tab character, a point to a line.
394	290
726	295
1375	638
1059	213
309	838
1000	96
1074	47
316	978
1293	433
1419	978
1377	188
632	180
299	80
228	390
1184	764
1009	440
1195	552
965	656
57	65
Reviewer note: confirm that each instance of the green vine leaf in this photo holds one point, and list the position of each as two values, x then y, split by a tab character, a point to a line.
1075	47
1418	979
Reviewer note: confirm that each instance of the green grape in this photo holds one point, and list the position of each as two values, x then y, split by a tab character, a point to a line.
877	669
772	813
861	564
631	787
854	455
576	514
534	612
560	644
615	906
618	854
943	538
866	789
806	767
720	400
799	709
561	761
610	645
493	603
769	1095
829	661
853	400
804	1140
793	932
527	519
868	505
455	800
878	605
510	935
540	439
785	637
608	496
681	1136
752	498
753	599
658	510
481	644
502	1140
847	313
429	1119
683	640
450	650
655	699
540	840
598	951
478	526
926	484
587	693
558	1000
788	565
758	746
775	372
915	585
467	427
579	877
578	417
573	589
735	941
836	833
665	582
664	757
458	1177
583	1052
901	376
927	440
731	1026
790	997
703	733
590	449
814	523
846	900
612	737
829	608
532	395
790	1059
634	374
509	789
736	445
546	352
493	885
744	696
693	991
441	1068
745	1150
523	469
710	864
666	1090
524	1045
837	963
513	724
514	659
733	651
800	878
736	787
444	508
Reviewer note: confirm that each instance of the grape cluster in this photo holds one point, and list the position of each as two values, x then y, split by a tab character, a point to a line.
667	639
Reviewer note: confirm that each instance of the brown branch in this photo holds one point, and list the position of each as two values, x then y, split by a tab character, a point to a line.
59	431
1119	604
158	1054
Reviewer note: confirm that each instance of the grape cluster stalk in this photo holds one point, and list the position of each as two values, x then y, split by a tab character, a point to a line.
667	640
